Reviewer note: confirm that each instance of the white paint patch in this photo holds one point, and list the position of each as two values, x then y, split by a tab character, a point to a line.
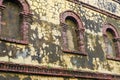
45	45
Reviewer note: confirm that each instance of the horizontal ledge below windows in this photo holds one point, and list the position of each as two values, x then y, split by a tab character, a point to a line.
14	40
75	52
112	58
58	72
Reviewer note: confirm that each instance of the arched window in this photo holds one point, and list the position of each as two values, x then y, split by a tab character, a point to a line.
111	38
14	16
72	33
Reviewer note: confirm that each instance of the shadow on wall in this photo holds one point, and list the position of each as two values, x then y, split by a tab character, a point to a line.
9	77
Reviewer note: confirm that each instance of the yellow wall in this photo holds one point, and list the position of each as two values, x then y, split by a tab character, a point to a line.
45	32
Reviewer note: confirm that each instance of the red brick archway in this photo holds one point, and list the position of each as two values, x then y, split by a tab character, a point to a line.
26	15
80	32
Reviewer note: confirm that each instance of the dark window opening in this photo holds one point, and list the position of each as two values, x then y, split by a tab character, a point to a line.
112	42
11	21
15	17
71	33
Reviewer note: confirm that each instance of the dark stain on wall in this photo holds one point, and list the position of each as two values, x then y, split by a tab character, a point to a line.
97	53
3	49
53	51
9	77
107	66
13	77
66	78
37	43
2	78
79	61
82	61
37	17
92	24
12	51
27	78
107	5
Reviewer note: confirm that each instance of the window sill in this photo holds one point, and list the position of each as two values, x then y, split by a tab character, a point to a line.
75	52
112	58
14	40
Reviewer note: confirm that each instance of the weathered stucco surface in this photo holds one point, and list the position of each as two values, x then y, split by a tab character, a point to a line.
7	76
45	42
108	5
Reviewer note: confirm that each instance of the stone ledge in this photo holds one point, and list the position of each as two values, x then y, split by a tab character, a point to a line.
58	72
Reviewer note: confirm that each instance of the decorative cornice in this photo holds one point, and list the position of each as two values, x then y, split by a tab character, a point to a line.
118	1
58	72
95	9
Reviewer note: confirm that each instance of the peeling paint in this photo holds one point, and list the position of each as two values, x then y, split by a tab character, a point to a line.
45	40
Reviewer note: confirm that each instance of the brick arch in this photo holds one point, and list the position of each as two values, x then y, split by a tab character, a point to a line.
111	27
72	14
116	39
24	4
79	31
26	18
